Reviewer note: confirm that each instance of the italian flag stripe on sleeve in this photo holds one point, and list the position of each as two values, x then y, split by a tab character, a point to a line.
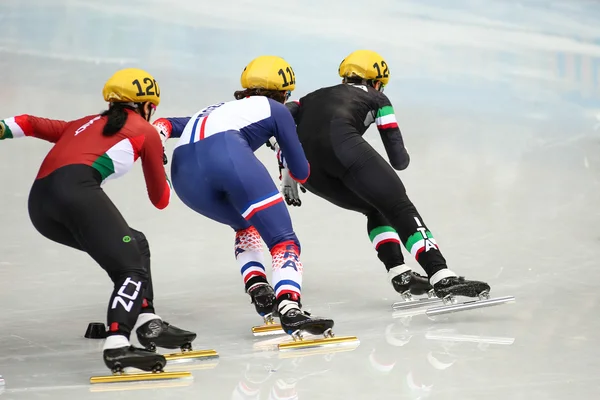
385	118
14	127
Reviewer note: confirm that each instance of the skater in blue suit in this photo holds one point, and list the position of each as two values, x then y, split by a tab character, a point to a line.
215	173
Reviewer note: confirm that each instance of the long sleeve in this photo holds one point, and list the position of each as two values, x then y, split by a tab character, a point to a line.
159	187
27	125
292	153
391	136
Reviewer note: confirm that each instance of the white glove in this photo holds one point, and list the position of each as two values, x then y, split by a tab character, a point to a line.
289	189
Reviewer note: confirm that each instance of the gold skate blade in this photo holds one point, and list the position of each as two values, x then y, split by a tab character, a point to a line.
140	385
148	376
268	329
194	354
469	305
322	342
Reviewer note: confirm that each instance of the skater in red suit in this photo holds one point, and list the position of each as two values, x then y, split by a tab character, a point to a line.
68	206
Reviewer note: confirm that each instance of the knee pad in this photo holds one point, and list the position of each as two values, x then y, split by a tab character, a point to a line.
247	240
141	241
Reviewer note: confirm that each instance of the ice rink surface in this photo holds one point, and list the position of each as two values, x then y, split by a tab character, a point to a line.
499	104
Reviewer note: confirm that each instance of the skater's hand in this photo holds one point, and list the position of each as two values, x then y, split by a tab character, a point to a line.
272	144
289	188
164	134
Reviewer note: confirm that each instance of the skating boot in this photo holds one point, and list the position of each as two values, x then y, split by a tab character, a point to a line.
119	358
158	333
295	322
410	283
263	298
459	286
448	288
131	357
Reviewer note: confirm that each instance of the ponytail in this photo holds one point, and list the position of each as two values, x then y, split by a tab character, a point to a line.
277	95
117	116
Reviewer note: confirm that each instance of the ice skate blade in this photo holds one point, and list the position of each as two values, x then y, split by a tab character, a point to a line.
190	355
148	376
408	304
321	342
468	305
140	385
268	329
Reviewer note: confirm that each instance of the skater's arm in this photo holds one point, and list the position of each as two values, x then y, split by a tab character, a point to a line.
27	125
157	182
171	127
391	136
291	154
294	107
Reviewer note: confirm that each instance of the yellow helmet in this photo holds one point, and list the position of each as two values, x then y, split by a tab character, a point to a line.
269	73
131	85
365	64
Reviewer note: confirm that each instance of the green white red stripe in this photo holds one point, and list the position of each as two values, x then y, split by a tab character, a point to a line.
385	118
383	234
417	243
12	128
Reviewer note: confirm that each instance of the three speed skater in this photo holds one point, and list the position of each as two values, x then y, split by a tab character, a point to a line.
215	173
67	205
348	172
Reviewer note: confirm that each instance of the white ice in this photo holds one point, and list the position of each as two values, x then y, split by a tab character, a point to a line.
499	104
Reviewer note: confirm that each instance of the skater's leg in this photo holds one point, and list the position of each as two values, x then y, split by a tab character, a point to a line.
383	236
144	247
71	198
106	236
150	328
388	195
86	219
249	255
254	195
385	240
199	173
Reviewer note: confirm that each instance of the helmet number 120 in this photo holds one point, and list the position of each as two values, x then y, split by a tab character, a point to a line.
385	70
149	89
290	72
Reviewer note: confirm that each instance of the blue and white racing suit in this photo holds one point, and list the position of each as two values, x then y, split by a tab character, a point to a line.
215	172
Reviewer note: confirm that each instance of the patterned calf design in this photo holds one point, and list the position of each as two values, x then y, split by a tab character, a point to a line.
287	270
249	254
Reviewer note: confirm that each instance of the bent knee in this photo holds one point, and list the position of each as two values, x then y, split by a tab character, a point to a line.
141	240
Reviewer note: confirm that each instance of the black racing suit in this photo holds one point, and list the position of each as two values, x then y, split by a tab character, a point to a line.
348	172
69	207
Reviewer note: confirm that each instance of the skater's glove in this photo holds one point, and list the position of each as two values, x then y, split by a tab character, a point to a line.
272	144
289	188
164	132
